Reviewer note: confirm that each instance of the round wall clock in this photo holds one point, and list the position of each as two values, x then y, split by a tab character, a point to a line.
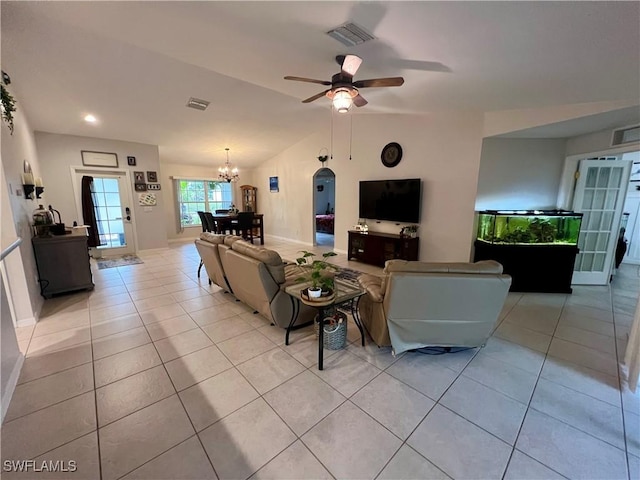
391	154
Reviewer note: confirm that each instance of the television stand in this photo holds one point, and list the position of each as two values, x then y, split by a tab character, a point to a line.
375	248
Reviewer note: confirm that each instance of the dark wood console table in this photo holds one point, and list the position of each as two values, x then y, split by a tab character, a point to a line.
376	248
63	264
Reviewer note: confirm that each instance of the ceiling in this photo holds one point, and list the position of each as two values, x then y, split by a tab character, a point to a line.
134	65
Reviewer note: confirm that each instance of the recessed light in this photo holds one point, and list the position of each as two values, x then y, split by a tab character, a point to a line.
90	119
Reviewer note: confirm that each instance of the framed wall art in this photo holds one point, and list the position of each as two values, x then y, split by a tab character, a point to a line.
273	184
152	177
138	177
99	159
131	161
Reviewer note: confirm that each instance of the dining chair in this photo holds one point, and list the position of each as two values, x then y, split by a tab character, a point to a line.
245	225
205	228
212	224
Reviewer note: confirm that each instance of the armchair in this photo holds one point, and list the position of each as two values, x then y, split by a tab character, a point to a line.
419	304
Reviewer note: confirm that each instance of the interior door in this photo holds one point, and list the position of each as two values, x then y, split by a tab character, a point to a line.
112	200
599	195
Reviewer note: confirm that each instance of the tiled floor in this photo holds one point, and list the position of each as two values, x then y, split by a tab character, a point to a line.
156	375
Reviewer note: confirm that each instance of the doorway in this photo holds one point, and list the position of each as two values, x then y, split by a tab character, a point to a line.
631	220
324	201
112	198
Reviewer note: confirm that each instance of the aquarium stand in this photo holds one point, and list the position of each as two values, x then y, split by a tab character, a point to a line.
533	268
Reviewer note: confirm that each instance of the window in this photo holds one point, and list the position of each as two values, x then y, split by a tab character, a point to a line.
201	195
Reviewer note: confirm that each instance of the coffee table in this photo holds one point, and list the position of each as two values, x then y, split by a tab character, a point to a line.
345	293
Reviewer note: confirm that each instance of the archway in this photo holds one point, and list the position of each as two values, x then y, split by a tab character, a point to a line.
324	199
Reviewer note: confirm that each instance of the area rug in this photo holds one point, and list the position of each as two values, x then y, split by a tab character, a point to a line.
122	261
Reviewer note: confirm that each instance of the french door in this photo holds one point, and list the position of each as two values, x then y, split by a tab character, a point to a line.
112	199
599	195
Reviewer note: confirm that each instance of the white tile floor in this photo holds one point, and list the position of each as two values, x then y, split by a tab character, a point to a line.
156	375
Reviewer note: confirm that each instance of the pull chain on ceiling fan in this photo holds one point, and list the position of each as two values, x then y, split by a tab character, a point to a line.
344	91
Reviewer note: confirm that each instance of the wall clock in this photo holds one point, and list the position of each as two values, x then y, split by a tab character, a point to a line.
391	154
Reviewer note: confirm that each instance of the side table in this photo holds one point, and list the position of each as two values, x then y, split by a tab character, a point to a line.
344	294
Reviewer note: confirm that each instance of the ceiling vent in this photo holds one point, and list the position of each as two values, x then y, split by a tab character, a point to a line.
197	103
626	135
350	34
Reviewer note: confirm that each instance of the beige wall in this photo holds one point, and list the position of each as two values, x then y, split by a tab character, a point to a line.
505	121
21	290
520	173
17	213
441	149
59	152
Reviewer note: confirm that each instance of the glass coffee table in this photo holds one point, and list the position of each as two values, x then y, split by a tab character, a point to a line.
346	294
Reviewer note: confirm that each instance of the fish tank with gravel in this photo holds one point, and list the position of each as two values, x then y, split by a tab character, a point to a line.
526	227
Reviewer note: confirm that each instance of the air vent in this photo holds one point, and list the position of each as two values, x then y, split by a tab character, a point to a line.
197	103
350	34
625	135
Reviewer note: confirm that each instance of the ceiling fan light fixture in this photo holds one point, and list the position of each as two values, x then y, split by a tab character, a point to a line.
342	98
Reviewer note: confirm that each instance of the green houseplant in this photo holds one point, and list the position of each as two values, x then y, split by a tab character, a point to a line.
318	275
7	102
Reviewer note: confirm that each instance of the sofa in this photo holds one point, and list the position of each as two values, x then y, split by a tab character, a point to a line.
419	304
253	274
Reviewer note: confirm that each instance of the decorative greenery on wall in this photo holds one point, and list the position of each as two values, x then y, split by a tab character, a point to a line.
7	102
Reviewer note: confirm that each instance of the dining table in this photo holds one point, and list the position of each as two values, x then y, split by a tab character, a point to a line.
228	222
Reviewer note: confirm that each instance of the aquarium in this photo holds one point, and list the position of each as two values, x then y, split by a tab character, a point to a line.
527	227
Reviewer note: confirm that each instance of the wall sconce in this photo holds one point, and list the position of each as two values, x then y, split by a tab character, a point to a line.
32	188
39	187
28	185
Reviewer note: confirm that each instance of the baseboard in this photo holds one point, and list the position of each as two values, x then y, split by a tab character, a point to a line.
11	385
26	322
275	237
182	240
338	250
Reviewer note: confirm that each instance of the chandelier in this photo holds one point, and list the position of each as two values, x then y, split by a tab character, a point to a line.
226	173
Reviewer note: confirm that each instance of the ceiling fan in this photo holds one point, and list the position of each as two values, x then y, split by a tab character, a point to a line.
344	91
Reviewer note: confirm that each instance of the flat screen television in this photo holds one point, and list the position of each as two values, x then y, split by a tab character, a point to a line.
392	200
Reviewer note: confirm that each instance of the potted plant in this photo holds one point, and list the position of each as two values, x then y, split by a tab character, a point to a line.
321	282
7	102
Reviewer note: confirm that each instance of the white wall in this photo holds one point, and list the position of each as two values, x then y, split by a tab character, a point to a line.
504	121
58	152
442	149
520	173
22	289
17	217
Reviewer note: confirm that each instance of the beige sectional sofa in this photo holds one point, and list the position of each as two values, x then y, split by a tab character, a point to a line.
255	275
418	304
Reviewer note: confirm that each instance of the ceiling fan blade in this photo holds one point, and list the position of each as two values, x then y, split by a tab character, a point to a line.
379	82
309	80
359	101
315	97
349	64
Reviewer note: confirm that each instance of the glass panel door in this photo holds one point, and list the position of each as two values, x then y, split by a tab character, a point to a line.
599	195
113	214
